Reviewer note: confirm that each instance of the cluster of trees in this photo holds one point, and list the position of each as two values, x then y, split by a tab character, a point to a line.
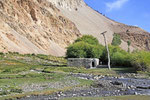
89	47
85	47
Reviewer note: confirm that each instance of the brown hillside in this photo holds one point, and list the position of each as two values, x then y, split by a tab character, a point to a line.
49	26
34	26
91	22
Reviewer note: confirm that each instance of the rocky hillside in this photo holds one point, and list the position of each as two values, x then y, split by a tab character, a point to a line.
48	26
34	26
92	22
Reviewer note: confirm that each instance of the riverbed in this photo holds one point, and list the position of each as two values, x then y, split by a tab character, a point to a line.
103	86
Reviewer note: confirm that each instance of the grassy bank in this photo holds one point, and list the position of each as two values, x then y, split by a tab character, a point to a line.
96	71
22	75
30	74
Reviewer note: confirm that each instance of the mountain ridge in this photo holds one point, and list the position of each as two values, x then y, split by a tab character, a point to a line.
109	25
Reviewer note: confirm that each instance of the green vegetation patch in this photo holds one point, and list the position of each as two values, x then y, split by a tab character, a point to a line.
47	81
85	47
18	73
116	40
88	39
141	61
88	47
97	71
118	57
52	58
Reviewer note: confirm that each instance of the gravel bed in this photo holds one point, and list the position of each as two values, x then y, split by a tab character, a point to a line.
104	86
66	82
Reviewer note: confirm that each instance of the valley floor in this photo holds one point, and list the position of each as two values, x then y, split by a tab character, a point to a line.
42	77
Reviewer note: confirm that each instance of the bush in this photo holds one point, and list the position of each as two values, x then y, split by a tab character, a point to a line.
84	50
85	47
116	40
88	47
88	39
141	61
118	57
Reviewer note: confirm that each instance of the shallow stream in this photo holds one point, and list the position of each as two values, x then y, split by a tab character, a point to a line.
104	86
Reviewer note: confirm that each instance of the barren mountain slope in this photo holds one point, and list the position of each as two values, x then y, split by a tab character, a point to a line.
48	26
91	22
34	26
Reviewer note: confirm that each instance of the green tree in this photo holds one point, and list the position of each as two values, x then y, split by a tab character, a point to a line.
88	39
118	56
141	61
86	46
116	40
129	43
84	50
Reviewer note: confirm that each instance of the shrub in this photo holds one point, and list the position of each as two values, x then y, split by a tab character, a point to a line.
141	61
116	40
84	50
88	39
85	47
118	57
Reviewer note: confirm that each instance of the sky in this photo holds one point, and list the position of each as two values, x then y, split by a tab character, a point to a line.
130	12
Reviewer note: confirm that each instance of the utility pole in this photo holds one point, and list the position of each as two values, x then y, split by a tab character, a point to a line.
107	49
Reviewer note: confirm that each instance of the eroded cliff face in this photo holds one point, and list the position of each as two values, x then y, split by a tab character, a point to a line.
34	26
49	26
139	38
138	41
91	22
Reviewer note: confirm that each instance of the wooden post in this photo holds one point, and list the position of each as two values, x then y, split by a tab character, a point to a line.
109	67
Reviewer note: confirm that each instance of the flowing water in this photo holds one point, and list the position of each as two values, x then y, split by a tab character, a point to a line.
105	86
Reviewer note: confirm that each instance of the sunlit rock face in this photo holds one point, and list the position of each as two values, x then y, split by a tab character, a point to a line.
93	22
34	26
68	4
49	26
